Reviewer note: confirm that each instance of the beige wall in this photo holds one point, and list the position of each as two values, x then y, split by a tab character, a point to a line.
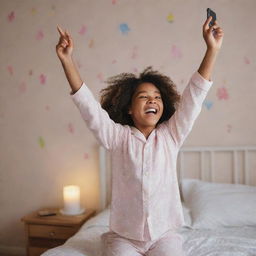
44	143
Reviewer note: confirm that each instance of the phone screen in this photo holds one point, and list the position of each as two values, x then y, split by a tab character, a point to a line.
213	14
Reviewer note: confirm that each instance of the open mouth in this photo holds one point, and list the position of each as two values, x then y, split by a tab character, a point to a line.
151	111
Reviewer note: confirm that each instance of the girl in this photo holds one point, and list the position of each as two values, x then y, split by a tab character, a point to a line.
141	123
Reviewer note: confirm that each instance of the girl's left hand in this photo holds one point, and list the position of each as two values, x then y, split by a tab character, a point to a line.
213	35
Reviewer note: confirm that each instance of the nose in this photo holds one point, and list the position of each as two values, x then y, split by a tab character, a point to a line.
151	100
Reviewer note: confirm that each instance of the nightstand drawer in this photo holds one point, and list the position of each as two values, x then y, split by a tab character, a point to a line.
53	232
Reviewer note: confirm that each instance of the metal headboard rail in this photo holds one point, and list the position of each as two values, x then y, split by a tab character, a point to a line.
212	150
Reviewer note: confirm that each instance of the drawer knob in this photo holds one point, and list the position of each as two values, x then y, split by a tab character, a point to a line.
52	234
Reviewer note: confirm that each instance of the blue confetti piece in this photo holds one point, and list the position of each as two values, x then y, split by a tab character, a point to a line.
124	28
208	104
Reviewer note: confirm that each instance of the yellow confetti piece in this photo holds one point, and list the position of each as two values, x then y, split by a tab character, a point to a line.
170	17
41	142
33	11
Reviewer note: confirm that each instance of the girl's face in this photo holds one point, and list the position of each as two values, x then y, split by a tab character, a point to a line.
147	106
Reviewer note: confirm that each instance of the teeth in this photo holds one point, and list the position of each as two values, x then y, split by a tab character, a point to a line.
150	110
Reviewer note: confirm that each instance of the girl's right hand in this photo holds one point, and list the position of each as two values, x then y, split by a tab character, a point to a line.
65	46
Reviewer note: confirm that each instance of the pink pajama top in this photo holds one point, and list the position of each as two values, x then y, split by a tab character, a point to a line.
145	192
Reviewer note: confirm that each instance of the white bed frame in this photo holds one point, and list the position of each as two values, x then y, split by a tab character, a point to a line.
238	162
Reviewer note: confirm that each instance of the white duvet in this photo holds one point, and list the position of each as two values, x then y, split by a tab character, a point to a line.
235	241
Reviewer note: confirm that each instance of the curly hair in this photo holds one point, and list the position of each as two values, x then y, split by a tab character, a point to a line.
117	97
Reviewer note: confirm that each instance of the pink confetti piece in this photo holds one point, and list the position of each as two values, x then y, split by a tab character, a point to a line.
10	69
114	61
39	35
176	52
30	72
11	16
246	60
71	128
82	30
222	93
42	79
113	1
22	87
100	77
86	156
47	108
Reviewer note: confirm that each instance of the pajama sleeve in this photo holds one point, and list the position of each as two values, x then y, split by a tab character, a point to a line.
181	122
106	131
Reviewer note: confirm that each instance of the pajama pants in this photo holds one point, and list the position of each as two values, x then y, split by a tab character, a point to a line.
169	244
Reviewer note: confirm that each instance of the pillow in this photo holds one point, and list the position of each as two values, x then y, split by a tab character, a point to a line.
215	205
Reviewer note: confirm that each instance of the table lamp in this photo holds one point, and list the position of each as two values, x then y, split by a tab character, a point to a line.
71	198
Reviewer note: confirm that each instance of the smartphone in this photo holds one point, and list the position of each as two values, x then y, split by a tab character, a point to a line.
210	12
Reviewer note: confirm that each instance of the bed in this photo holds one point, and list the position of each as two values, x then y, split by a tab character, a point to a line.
218	191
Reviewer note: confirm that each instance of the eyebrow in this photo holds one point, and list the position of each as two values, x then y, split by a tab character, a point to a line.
158	92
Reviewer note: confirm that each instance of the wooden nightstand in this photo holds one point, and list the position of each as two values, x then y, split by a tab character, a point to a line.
44	233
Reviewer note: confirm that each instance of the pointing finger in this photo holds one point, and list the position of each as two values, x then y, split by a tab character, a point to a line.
60	31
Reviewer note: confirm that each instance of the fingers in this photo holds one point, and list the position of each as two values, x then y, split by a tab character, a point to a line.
65	38
60	31
207	22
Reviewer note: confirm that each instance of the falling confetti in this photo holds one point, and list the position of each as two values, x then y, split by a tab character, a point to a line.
176	52
114	61
47	108
246	60
113	1
42	79
208	104
100	77
71	128
30	72
10	69
82	30
222	93
41	142
86	156
170	18
33	11
39	35
11	16
124	28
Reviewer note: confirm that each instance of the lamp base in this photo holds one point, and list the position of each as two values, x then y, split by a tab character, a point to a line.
62	211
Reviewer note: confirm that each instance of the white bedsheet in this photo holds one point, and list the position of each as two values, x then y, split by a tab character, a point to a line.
239	241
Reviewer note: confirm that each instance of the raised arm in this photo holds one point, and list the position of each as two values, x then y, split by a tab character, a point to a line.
213	37
106	131
181	123
64	50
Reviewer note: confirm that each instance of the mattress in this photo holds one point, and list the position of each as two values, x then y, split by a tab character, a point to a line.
235	241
